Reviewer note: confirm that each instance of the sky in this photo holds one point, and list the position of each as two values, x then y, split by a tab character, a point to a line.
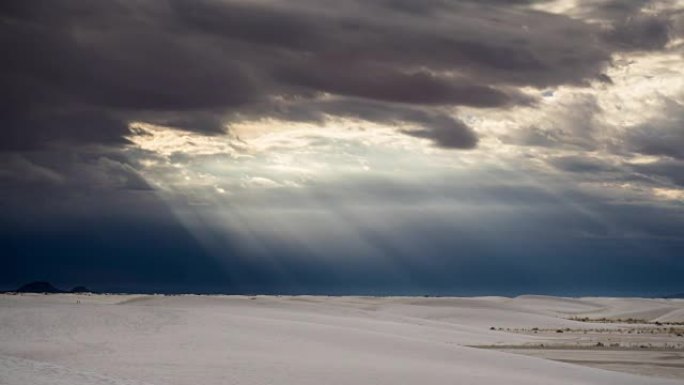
435	147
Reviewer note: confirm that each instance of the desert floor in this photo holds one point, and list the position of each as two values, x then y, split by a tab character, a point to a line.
188	339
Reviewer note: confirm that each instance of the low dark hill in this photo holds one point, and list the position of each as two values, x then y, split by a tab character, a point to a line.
678	295
38	287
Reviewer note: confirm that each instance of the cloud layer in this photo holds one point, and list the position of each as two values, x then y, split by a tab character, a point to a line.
79	72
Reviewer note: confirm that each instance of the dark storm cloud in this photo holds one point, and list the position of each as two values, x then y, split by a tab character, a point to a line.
571	124
116	55
447	133
380	82
582	164
654	140
481	41
51	127
662	136
439	126
659	174
630	24
92	67
640	32
672	170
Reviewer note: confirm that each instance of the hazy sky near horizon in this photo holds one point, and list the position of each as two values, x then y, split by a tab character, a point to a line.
387	146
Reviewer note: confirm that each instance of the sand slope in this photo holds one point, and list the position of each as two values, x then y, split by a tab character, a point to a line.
294	340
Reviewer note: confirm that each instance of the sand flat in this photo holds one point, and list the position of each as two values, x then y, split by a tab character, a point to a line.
657	363
110	339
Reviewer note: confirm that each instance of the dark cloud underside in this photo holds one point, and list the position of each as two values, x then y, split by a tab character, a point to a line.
104	64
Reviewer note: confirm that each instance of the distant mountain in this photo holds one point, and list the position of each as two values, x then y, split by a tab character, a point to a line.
38	287
678	295
80	289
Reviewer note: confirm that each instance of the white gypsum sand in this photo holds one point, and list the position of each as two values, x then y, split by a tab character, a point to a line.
188	339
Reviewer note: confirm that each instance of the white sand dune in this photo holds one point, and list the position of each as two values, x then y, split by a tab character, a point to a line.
107	339
638	308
